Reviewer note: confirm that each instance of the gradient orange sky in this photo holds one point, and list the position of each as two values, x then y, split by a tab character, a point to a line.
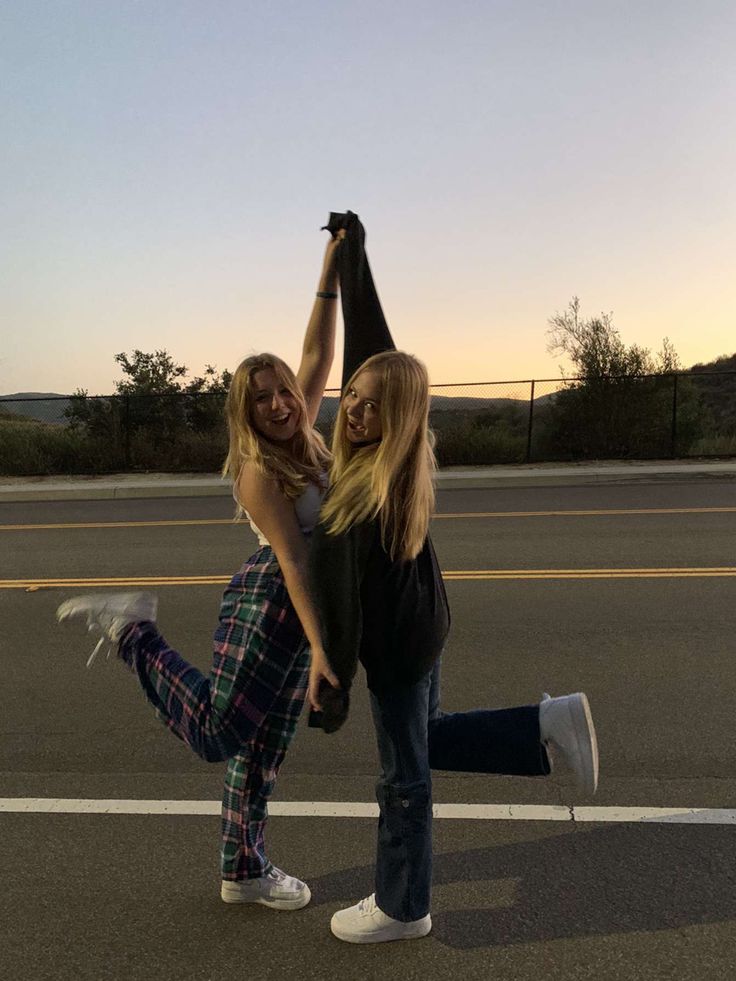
166	178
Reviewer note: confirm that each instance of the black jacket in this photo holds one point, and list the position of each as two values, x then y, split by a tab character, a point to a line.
393	616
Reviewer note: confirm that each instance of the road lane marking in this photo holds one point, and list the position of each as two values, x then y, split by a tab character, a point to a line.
190	522
33	585
477	575
64	526
600	512
692	573
359	809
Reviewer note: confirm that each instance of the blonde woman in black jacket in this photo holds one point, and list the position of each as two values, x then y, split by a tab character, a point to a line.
380	599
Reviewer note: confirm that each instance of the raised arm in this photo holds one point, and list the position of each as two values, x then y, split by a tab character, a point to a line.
319	340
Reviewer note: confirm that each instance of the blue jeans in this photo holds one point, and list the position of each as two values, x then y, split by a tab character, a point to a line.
415	737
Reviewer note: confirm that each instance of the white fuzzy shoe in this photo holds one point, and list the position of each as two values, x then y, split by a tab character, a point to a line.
110	614
565	723
275	889
365	923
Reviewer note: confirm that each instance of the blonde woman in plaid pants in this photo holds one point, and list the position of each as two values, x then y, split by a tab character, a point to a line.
246	711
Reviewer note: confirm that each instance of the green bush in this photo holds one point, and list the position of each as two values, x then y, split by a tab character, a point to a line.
466	444
33	448
617	419
715	446
188	452
30	448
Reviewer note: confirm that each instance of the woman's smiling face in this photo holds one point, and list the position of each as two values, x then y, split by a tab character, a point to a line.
275	410
362	406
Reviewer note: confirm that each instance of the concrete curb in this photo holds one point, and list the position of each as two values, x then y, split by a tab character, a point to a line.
138	486
581	475
113	491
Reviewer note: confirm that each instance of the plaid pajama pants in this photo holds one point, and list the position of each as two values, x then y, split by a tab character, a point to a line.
246	712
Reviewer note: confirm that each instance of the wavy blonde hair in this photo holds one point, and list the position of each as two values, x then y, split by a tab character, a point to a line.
301	462
393	478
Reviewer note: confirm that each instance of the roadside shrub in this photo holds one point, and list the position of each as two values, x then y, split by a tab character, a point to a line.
188	452
31	448
466	444
714	446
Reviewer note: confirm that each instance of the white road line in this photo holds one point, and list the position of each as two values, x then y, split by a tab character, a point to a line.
358	809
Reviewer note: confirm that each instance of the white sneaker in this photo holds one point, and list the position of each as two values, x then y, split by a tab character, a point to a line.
565	723
275	889
110	614
365	923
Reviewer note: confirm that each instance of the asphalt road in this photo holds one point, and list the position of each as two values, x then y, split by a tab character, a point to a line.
646	627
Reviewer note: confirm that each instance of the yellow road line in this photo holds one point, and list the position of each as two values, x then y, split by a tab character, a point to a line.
32	585
174	523
601	512
619	574
643	570
119	524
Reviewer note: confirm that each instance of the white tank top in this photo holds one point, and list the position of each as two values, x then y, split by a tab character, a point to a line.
307	510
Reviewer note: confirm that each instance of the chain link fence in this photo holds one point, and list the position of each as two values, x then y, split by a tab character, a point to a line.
634	417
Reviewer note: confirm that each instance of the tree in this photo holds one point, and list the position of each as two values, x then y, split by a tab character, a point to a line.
597	351
164	405
620	402
204	408
154	411
149	374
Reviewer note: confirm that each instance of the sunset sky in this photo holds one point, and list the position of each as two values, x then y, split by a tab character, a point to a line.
167	165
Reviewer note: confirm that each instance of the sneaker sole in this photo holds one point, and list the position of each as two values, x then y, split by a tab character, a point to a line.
95	602
582	722
299	902
383	936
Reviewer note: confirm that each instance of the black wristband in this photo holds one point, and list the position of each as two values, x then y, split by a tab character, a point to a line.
326	296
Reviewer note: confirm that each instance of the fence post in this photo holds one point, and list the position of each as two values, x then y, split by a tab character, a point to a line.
673	448
126	432
531	421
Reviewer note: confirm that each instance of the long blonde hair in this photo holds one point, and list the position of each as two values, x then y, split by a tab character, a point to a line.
294	466
390	479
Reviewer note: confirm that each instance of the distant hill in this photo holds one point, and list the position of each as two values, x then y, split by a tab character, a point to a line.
445	403
34	395
726	362
51	406
45	406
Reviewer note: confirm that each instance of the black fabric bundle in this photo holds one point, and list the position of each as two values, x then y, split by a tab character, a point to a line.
366	334
366	330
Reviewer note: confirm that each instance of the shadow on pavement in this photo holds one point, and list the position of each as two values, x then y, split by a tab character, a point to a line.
596	882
